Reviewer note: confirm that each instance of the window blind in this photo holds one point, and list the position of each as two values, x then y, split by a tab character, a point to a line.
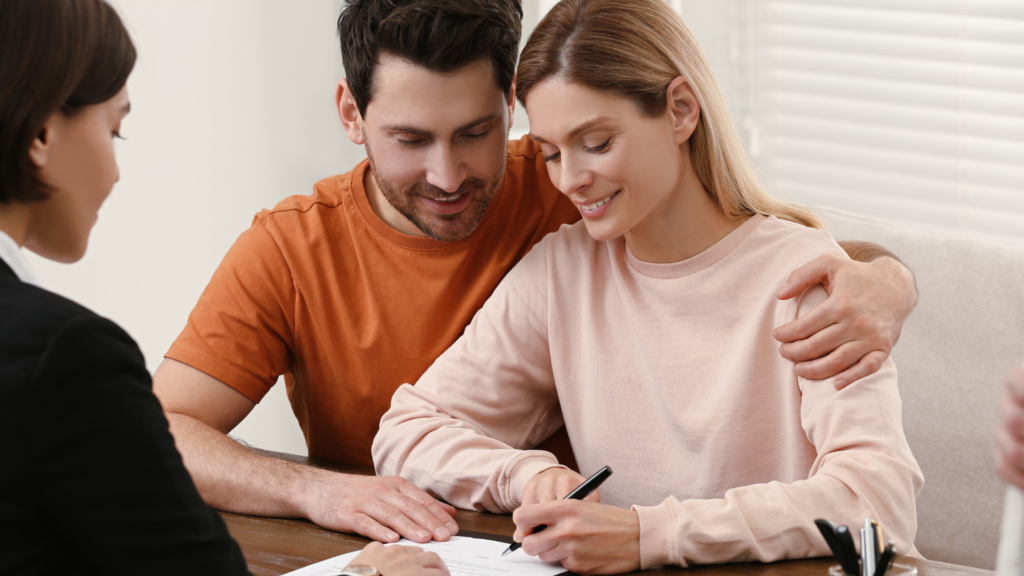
910	111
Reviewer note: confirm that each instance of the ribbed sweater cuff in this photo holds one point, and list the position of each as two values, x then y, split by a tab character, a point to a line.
657	535
520	470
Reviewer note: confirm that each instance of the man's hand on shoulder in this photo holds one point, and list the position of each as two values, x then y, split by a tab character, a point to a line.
383	508
851	333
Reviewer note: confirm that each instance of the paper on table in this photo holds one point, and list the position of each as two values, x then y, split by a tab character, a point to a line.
464	557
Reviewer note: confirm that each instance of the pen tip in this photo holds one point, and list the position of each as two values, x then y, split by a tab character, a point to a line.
506	552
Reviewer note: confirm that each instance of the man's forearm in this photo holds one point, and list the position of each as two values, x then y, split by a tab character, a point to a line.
232	478
869	252
866	251
236	479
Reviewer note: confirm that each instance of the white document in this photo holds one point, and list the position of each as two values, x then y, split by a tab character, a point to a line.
463	556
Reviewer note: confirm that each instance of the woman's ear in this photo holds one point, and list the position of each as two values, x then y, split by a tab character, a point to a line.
39	150
683	109
348	112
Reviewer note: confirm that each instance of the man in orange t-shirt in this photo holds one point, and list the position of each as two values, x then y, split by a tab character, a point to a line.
358	288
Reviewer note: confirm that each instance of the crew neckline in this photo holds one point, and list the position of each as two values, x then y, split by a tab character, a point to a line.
702	261
14	257
362	203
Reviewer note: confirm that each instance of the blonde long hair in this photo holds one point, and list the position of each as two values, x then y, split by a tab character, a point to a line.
635	49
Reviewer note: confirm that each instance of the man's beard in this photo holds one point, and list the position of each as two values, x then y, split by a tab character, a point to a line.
441	227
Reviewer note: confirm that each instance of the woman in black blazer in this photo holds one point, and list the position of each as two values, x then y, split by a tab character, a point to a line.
90	481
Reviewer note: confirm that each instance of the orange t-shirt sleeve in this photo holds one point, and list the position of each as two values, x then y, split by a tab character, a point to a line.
240	331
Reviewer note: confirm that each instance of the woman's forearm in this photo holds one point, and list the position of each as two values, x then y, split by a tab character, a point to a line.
863	468
462	430
775	521
450	457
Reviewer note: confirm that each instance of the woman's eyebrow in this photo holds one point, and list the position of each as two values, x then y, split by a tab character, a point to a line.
587	126
577	130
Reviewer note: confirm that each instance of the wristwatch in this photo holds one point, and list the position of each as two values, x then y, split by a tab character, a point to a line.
356	570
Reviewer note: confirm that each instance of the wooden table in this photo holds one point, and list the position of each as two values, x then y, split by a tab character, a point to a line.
274	546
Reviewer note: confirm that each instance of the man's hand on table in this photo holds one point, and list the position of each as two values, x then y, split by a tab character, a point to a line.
852	333
201	411
1010	437
382	508
401	561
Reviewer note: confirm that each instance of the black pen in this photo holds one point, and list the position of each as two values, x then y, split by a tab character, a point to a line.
850	565
886	560
581	492
845	555
828	532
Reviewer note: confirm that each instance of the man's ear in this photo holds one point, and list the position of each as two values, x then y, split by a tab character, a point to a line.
39	150
683	109
348	112
512	105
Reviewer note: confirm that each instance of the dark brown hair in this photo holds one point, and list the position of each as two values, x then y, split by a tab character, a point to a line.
634	49
440	35
55	55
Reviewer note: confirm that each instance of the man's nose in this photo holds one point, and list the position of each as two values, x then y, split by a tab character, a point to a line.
445	169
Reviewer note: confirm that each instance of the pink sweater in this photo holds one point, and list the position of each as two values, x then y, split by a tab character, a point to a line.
669	374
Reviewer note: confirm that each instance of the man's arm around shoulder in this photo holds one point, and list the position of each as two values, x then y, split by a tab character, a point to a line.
202	410
849	335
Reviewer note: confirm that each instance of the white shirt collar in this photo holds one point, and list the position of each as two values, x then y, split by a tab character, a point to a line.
11	253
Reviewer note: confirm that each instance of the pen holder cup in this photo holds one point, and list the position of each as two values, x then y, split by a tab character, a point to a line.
896	570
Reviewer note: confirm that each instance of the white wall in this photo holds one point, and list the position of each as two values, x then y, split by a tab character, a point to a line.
712	22
232	110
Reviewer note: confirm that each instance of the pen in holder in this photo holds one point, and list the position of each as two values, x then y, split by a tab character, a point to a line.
875	559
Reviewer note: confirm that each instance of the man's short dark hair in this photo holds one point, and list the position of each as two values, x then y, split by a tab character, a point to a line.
440	35
54	55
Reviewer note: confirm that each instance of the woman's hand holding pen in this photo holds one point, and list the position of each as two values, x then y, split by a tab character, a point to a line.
554	484
584	537
561	520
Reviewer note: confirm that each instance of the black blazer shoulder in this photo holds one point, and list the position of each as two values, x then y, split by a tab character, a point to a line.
94	482
27	306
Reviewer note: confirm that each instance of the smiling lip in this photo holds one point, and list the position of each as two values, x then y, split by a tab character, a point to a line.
597	208
456	205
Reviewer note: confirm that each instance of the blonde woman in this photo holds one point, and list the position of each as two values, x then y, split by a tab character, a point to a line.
648	327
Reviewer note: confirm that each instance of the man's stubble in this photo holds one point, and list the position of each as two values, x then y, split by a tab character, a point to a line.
483	192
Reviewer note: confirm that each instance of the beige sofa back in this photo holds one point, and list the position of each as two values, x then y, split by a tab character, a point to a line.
953	356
